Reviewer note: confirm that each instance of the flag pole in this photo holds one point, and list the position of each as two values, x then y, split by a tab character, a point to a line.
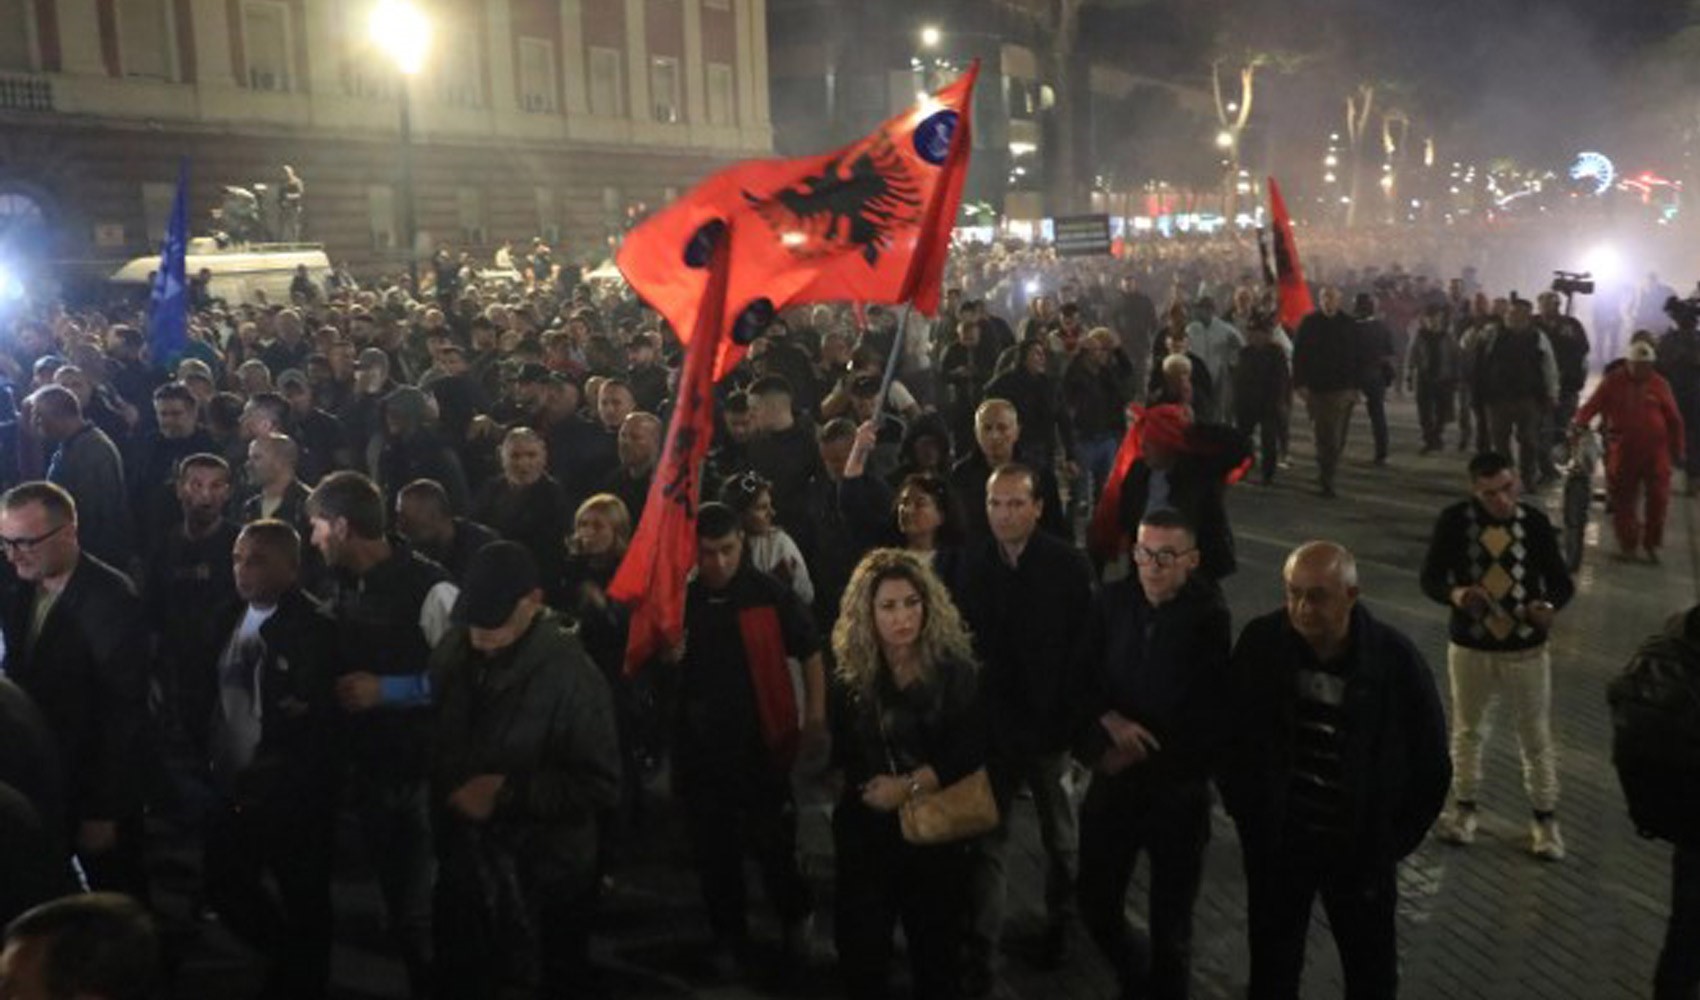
891	362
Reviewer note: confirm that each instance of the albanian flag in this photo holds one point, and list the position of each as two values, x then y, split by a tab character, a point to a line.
1170	427
651	577
868	223
1289	276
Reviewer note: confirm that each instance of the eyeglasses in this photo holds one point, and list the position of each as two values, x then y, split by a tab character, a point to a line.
29	544
1164	558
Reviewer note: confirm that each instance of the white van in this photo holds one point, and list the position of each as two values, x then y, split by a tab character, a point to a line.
242	275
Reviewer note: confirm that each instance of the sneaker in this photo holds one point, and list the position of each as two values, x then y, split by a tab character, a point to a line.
1457	826
1544	840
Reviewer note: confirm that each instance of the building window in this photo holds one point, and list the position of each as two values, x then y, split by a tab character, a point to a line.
266	42
548	215
460	72
720	99
472	226
157	201
537	75
144	39
381	209
664	88
605	88
17	35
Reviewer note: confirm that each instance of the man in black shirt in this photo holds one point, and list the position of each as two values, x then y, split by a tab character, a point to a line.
783	451
525	504
1026	595
997	431
1156	663
423	517
1334	770
1327	375
736	732
188	574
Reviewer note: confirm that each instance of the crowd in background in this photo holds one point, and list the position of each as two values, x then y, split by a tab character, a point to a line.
350	555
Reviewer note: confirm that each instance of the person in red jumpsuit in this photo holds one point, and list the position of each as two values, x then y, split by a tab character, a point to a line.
1641	418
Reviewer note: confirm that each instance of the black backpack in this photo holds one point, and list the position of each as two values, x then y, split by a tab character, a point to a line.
1655	714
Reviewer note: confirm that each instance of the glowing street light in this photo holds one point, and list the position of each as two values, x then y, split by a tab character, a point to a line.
1330	160
402	32
1224	139
931	36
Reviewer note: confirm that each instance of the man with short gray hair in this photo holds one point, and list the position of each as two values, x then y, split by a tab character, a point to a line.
1336	767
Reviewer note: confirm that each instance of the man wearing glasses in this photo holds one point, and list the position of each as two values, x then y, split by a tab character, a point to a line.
71	631
1155	665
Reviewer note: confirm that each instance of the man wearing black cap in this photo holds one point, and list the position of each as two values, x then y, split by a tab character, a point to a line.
645	373
324	446
525	759
363	416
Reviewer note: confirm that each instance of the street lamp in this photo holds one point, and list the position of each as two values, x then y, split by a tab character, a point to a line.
401	31
931	36
1224	139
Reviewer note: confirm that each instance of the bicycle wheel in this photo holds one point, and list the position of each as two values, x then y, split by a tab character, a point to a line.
1578	494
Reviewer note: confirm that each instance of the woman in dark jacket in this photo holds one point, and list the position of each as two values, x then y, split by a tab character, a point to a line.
922	516
906	722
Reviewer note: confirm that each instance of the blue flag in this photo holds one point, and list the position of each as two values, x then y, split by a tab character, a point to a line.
168	306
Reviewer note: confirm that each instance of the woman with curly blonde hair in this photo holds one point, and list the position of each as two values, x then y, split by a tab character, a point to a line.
906	721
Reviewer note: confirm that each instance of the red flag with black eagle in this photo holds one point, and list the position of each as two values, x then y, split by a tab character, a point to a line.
1296	303
1169	426
651	577
868	223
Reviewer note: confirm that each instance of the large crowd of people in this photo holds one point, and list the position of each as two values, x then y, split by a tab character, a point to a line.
350	556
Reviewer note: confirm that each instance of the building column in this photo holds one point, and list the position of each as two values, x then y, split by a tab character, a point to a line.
637	63
504	99
214	66
574	58
325	40
758	42
696	103
79	37
743	28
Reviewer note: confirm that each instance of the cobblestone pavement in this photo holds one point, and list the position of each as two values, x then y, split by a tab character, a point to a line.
1486	921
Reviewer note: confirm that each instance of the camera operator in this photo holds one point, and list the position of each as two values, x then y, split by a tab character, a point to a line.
1679	362
1569	343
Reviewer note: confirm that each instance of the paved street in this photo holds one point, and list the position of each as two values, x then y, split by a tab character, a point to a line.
1486	921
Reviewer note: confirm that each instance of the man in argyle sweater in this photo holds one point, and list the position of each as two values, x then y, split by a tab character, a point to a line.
1496	563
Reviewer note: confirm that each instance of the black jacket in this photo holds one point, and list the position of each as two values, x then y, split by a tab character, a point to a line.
88	673
1026	621
1396	767
1325	353
295	763
968	481
542	717
1165	668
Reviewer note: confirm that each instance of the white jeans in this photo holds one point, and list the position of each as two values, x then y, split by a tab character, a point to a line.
1524	677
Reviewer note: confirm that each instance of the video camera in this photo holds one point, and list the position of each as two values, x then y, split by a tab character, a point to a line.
1573	282
1683	312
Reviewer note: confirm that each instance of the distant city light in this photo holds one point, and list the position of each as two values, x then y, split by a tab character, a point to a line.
1330	160
1224	139
931	36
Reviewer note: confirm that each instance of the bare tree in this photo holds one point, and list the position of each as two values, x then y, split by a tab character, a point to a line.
1358	106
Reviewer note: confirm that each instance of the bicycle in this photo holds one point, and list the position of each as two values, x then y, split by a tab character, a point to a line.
1577	459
